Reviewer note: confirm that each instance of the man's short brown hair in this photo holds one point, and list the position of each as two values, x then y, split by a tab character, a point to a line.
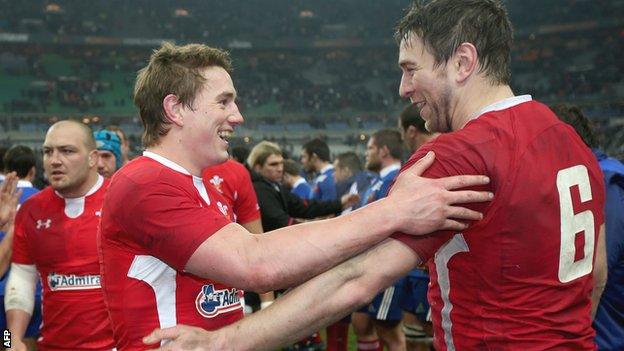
444	25
391	139
172	70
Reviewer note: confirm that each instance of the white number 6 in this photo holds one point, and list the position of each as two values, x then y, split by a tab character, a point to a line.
574	223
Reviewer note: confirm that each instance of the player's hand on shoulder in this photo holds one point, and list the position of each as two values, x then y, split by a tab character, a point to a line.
425	205
184	338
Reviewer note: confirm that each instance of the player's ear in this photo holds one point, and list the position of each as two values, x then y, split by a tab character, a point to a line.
93	158
411	132
464	62
384	151
257	168
173	109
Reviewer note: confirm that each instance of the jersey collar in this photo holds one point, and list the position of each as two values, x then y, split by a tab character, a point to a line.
386	170
326	168
24	184
503	104
167	163
299	182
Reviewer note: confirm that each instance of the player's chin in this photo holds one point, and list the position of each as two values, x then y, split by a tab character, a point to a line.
58	184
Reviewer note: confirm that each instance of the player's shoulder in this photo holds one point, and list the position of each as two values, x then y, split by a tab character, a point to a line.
145	175
39	203
39	198
144	171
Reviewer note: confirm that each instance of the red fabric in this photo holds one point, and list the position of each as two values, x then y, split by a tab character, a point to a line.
233	181
338	336
154	218
64	250
498	281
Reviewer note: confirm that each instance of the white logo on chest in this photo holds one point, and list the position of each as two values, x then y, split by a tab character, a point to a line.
216	181
223	208
44	223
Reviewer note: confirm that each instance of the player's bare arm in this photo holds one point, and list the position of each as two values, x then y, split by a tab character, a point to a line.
417	205
255	227
305	309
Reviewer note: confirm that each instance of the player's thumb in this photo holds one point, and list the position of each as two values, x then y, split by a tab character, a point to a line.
160	334
425	162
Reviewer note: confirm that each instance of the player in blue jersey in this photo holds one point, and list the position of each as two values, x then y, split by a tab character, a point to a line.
380	321
315	159
292	179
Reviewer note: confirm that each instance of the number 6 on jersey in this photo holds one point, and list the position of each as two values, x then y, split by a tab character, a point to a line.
572	223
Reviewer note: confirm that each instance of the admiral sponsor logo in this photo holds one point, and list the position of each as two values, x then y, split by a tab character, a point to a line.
211	303
44	223
73	282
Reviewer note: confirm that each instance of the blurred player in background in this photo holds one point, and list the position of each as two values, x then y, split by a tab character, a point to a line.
315	159
109	152
295	182
378	324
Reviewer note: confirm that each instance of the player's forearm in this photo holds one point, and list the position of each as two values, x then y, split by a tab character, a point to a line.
19	297
17	322
291	255
322	300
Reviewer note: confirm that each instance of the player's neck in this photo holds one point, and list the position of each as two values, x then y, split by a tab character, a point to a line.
320	165
389	161
82	189
176	153
475	99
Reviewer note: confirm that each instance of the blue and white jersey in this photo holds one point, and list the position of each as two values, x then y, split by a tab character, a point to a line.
302	189
609	321
324	187
379	188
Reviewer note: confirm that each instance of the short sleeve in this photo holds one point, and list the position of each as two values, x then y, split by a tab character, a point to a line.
246	203
167	222
452	158
21	249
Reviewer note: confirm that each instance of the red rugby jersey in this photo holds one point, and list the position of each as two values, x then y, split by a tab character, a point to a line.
521	278
154	217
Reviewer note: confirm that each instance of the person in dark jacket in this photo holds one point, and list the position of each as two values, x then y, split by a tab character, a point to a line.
278	206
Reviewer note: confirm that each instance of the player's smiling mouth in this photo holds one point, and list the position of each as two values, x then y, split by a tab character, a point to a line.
225	134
